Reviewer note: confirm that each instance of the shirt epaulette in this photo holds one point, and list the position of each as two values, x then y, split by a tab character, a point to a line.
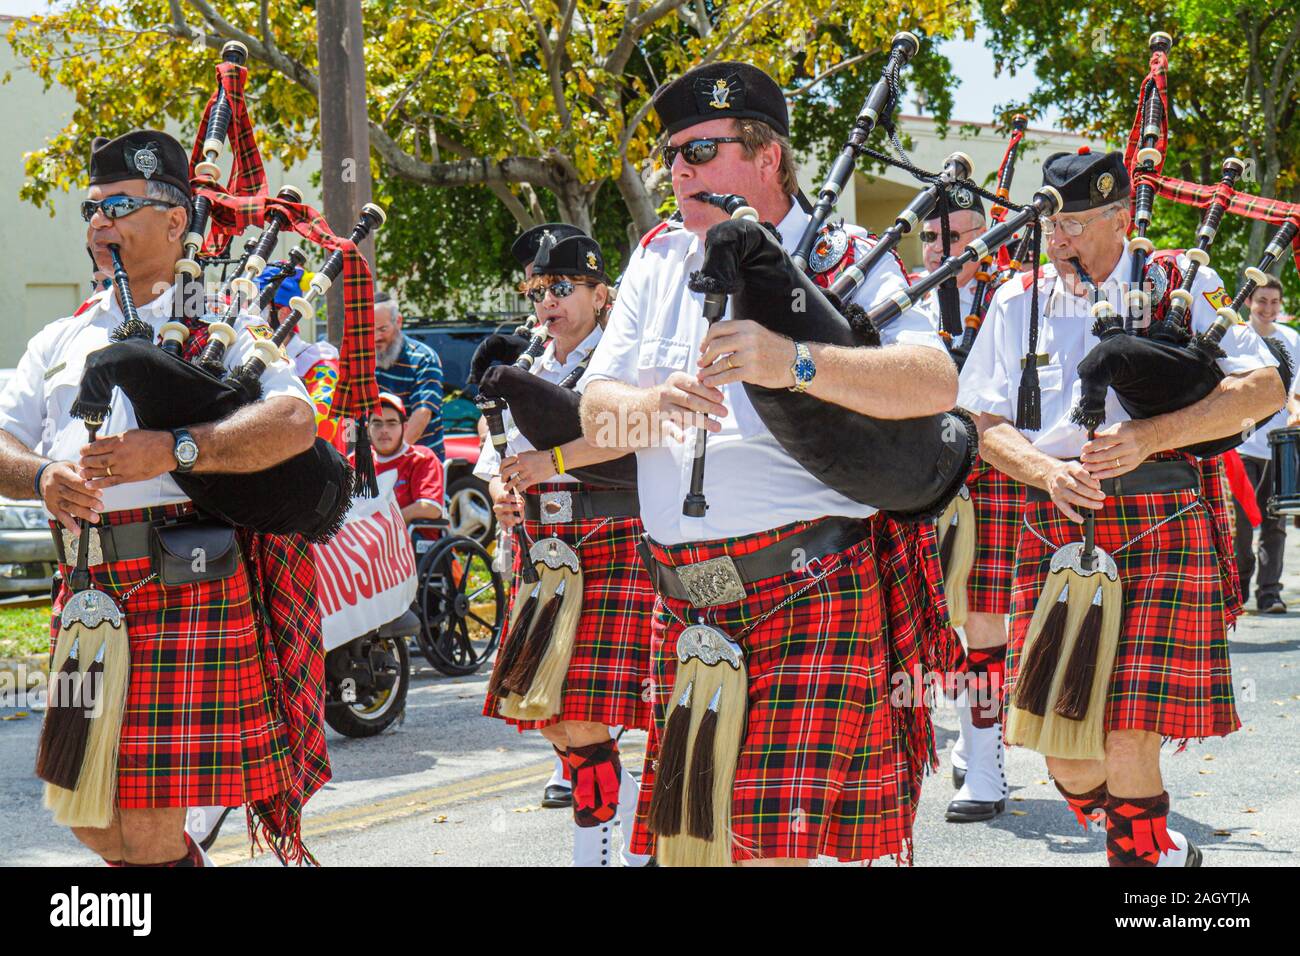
657	230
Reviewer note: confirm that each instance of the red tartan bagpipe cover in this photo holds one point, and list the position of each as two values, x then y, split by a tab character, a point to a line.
283	566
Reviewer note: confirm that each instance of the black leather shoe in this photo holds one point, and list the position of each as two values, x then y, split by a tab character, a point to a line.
557	796
958	778
1274	606
973	811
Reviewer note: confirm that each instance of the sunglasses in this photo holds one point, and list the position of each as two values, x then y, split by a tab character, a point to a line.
560	288
928	236
115	207
696	152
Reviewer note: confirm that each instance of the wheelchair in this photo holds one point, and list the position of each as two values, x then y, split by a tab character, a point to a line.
460	600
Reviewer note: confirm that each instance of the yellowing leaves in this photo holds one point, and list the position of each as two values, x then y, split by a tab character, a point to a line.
468	97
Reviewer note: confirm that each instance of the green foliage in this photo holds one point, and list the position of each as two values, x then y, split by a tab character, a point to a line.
1232	81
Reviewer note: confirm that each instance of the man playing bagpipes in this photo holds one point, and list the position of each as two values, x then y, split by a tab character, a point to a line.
1118	640
196	719
977	560
576	655
769	645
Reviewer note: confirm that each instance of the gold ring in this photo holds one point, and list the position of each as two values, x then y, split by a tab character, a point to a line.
1116	462
730	363
109	469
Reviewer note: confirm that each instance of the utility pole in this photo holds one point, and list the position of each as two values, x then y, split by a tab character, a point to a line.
344	130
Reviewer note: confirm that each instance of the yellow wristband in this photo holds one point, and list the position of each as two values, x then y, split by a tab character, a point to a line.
558	458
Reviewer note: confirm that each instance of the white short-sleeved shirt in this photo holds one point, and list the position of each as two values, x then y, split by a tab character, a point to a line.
1256	446
751	483
546	367
34	404
990	379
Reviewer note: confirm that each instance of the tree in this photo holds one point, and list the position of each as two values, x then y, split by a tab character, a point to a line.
1233	77
536	101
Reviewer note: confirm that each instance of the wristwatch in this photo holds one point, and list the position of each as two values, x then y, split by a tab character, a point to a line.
186	450
804	368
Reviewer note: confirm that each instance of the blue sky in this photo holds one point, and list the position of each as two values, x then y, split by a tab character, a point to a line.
974	99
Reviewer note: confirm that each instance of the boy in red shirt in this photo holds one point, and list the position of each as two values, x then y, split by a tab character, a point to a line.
419	488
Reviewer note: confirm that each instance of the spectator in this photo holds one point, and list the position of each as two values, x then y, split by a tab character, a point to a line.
419	488
1265	308
411	371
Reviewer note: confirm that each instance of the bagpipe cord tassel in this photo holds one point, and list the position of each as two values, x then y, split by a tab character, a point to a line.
367	482
1029	404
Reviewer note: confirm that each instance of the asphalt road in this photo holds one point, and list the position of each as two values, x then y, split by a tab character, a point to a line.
449	787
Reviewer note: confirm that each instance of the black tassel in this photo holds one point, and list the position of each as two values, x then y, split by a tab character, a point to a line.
367	480
699	804
665	814
89	410
1029	404
511	646
1087	418
62	747
524	668
946	549
1081	669
1034	684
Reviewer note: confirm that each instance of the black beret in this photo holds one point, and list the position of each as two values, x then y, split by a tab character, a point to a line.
1086	179
147	154
578	255
525	247
728	88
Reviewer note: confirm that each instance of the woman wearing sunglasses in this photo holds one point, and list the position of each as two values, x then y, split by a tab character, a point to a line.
610	663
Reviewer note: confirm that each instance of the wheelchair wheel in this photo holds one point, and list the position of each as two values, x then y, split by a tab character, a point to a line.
461	604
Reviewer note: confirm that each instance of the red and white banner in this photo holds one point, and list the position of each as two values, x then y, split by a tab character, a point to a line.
365	574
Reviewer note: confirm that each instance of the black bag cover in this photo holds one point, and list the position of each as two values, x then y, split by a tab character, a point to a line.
547	415
308	494
910	467
1157	374
496	349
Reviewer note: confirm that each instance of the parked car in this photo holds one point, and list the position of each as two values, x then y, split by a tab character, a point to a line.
27	556
469	507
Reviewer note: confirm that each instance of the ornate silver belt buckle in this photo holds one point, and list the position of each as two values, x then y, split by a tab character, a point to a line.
556	507
712	582
72	544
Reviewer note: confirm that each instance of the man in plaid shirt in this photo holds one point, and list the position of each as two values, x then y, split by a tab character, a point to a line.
410	370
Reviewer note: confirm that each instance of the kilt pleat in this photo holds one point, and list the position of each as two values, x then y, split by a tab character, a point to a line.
609	673
200	726
1172	674
999	504
823	766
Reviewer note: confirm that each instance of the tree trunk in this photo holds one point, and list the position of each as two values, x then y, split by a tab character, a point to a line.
638	200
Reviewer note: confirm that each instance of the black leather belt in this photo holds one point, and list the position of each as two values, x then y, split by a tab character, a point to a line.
723	580
108	543
1148	478
553	507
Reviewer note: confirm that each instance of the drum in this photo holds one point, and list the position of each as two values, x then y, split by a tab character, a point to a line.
1285	446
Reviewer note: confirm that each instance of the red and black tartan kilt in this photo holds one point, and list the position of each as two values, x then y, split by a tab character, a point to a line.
1172	673
200	727
610	667
999	503
823	766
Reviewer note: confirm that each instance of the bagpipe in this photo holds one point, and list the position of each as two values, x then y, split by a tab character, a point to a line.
908	467
1164	367
309	493
988	279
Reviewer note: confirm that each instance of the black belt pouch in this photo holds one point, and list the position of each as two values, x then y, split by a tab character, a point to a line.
191	552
